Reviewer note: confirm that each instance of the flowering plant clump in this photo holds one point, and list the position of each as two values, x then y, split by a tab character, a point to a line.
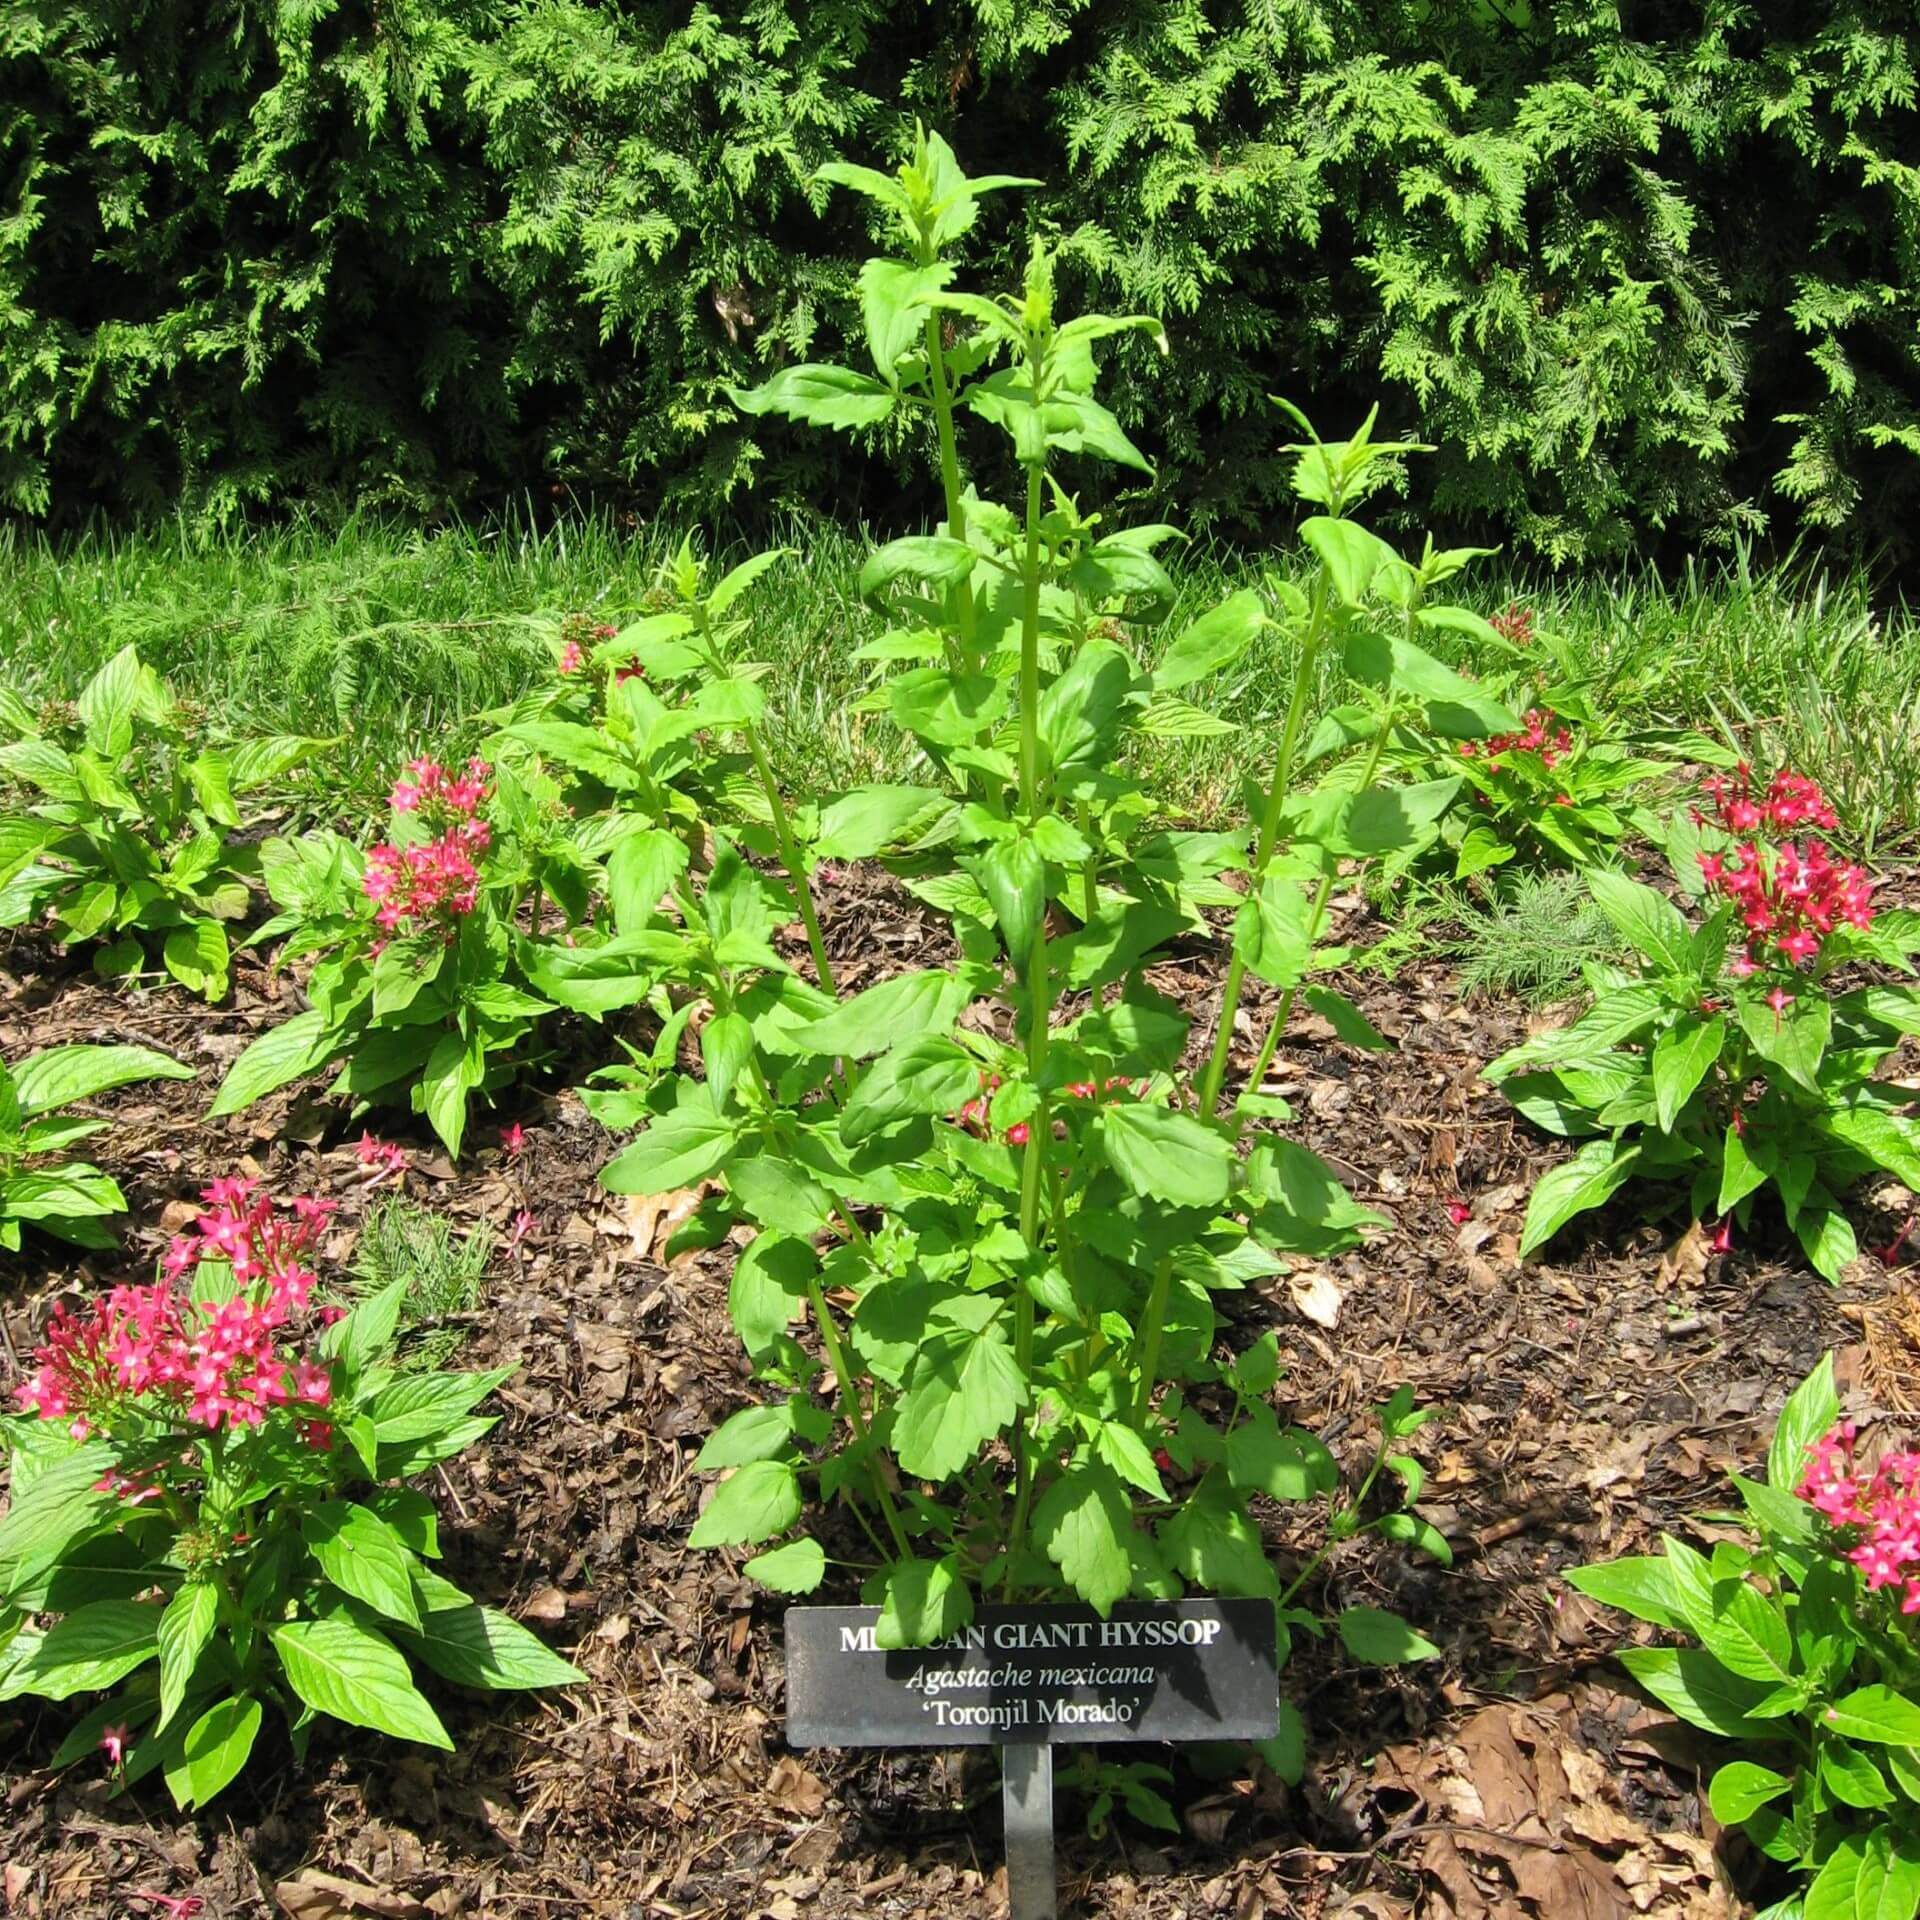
206	1518
422	984
131	836
1556	785
1728	1059
1805	1656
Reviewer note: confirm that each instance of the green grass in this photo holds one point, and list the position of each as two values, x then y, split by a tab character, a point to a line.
394	638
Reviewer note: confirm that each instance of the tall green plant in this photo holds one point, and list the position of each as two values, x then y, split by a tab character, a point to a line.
993	1189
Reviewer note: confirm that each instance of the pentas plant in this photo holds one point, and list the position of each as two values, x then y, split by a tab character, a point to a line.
1731	1061
133	838
39	1187
1560	786
422	987
1805	1658
206	1519
1007	1213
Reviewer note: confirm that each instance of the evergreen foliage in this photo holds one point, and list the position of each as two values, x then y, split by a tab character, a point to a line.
1635	271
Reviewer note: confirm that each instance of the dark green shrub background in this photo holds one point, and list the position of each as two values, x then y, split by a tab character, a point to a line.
1641	270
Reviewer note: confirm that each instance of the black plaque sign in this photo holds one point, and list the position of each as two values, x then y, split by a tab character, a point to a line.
1152	1670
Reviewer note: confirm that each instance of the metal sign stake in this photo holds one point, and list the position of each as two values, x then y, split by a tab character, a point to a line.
1026	1799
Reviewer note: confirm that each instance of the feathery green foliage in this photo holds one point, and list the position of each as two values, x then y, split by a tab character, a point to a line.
1633	271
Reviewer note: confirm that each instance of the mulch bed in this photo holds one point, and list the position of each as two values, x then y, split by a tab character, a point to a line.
1592	1400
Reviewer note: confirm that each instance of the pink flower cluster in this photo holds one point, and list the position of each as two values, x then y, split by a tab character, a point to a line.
433	882
1791	800
211	1365
1790	896
1883	1508
1540	735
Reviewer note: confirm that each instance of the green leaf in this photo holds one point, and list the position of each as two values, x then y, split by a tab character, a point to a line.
107	705
54	1510
925	1075
1810	1411
1079	711
340	1667
476	1646
1350	554
1214	642
762	1499
882	1016
89	1650
1640	1584
689	1144
283	1053
921	1601
1346	1020
60	1075
1083	1522
869	820
769	1282
1746	1634
798	1567
216	1747
1741	1787
1795	1039
931	560
1827	1239
198	956
1286	1751
754	1433
965	1387
1379	820
362	1556
185	1628
1698	1688
1647	921
1682	1057
1381	1639
1288	1465
1456	708
639	871
819	396
1876	1714
1591	1178
1165	1155
1013	876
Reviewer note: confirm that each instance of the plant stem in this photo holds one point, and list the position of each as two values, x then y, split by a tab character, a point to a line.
1033	1170
1150	1336
850	1398
1283	1011
790	859
950	482
1215	1077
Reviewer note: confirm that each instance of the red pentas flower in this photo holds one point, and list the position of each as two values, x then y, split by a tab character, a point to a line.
158	1352
432	882
1792	895
1542	734
1515	625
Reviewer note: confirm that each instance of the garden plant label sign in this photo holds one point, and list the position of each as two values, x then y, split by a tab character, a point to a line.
1041	1675
1028	1678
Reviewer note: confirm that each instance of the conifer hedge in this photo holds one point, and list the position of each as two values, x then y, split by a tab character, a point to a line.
1639	269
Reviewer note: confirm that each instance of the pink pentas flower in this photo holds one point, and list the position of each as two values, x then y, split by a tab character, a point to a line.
113	1743
573	656
522	1224
181	1907
1459	1212
513	1140
158	1353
